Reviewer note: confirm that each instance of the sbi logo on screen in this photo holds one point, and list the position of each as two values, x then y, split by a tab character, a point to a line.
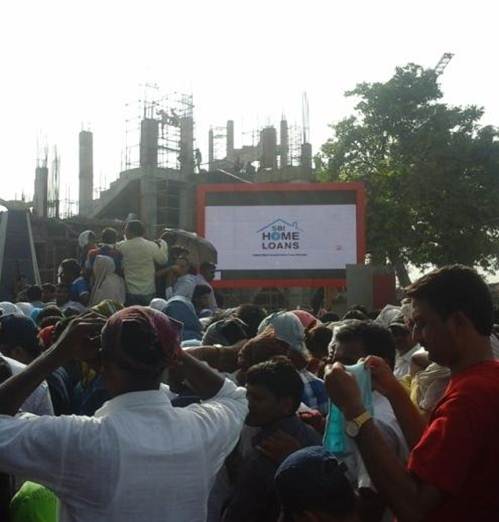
280	235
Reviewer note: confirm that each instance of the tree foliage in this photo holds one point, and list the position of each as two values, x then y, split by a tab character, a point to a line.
431	172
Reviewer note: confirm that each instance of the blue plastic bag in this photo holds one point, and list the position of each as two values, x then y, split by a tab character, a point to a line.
335	437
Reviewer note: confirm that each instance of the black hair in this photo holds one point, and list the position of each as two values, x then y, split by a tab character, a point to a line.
279	377
48	287
317	340
49	311
377	340
34	293
135	227
329	317
355	313
109	236
252	315
456	288
200	290
72	266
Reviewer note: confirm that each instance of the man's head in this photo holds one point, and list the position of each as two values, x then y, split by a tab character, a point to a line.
182	265
207	270
201	297
134	228
19	338
109	236
362	338
252	315
49	311
274	390
137	344
48	292
34	293
452	311
70	270
401	335
62	294
312	487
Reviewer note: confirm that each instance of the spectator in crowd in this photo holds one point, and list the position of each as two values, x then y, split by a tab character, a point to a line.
106	248
70	274
86	243
452	468
358	340
405	345
34	295
183	281
288	328
64	302
139	258
48	293
201	300
312	487
274	391
107	284
205	277
251	315
138	458
19	341
181	309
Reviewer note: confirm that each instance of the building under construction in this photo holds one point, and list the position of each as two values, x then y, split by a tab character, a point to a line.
161	169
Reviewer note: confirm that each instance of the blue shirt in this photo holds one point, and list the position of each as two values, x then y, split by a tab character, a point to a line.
78	288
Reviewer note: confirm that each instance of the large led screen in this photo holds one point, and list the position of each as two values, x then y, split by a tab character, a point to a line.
283	233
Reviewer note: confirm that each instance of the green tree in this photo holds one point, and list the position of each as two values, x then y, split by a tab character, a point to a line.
430	170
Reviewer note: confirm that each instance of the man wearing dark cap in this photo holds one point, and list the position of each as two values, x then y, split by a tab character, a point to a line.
312	487
138	458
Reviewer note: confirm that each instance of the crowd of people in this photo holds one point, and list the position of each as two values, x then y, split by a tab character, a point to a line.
128	393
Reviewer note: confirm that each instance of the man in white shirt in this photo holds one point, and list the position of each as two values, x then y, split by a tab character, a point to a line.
140	257
138	458
404	344
355	340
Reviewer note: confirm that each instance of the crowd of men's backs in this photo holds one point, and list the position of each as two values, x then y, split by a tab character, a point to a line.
117	405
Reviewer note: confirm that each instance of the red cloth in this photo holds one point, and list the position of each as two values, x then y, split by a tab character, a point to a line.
459	451
46	336
306	318
167	331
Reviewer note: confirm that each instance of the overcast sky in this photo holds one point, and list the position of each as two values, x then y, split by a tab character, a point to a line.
65	64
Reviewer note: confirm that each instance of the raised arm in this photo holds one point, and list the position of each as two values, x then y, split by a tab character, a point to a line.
410	499
81	336
409	418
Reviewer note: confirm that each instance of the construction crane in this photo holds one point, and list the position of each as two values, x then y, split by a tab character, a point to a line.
443	63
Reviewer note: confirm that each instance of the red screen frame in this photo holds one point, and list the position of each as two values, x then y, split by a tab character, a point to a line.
360	200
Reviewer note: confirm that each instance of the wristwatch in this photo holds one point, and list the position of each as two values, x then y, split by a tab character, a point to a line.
353	426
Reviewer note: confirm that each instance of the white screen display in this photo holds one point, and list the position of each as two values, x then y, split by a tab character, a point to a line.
283	237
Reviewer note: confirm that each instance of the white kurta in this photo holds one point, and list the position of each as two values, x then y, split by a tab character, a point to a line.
138	459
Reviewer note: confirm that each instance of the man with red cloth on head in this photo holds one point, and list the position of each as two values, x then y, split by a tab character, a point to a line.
138	458
452	473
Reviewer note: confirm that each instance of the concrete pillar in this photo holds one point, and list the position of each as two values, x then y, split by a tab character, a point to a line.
230	139
40	197
86	173
149	132
284	146
149	204
186	146
268	138
211	150
306	155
